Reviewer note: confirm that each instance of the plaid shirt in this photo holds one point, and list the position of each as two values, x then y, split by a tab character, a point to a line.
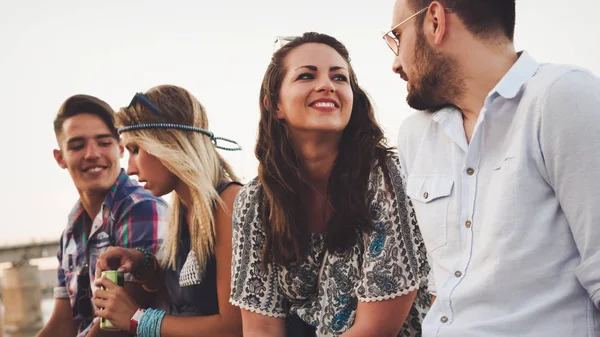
130	217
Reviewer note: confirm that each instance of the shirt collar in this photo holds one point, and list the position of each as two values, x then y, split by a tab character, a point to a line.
446	112
122	179
78	209
512	82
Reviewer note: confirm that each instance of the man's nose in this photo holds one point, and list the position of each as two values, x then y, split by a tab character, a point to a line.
397	66
92	151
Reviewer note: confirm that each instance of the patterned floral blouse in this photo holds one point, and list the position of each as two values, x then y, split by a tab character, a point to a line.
325	288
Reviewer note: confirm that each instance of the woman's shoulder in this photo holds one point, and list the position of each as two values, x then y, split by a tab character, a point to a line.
387	169
248	195
247	209
250	189
228	185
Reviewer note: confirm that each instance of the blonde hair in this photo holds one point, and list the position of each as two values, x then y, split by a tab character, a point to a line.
189	155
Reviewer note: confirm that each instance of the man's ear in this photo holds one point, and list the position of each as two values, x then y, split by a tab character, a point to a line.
58	156
435	23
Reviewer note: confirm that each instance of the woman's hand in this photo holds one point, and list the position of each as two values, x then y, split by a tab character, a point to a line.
119	258
114	303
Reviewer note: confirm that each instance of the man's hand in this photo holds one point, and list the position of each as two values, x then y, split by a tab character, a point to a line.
119	258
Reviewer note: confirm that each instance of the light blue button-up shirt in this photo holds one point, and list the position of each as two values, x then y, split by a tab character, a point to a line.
511	220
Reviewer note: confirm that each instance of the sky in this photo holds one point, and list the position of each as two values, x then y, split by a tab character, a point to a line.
218	50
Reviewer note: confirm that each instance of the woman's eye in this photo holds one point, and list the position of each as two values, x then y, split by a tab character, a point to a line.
305	76
133	150
340	78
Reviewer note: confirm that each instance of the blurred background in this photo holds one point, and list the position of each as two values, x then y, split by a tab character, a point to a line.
219	51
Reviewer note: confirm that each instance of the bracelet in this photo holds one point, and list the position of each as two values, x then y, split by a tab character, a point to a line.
148	259
135	320
150	323
144	282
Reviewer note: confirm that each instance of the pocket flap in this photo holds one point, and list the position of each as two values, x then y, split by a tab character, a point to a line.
426	188
500	164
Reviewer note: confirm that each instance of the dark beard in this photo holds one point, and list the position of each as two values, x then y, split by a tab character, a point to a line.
438	83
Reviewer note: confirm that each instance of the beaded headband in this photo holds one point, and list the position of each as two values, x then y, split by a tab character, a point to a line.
143	99
212	136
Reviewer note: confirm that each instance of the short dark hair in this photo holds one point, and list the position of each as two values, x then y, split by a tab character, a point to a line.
79	104
484	18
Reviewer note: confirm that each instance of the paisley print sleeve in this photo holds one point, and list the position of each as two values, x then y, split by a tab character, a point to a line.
394	261
253	287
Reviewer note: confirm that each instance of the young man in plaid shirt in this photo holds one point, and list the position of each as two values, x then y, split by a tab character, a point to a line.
112	210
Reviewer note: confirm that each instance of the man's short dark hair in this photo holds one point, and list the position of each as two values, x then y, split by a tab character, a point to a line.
79	104
484	18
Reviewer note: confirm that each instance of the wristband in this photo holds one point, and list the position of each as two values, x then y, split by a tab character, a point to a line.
135	320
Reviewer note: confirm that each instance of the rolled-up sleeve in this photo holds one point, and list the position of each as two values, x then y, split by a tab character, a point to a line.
570	143
60	291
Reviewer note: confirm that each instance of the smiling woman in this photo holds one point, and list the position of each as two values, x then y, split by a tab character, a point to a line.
325	232
326	107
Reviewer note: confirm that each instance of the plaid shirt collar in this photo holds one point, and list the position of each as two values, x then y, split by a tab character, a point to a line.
78	210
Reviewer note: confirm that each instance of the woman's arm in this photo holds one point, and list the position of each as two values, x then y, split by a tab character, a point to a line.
119	308
381	319
394	265
254	286
229	320
258	325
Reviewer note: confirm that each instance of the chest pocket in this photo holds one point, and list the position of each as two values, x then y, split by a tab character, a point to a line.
430	195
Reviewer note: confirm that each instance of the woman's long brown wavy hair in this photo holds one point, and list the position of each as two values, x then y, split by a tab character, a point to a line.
282	177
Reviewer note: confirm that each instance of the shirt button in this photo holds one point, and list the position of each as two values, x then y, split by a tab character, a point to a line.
458	273
470	171
425	195
468	224
444	319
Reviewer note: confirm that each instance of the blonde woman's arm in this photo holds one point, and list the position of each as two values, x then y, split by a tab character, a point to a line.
119	307
228	323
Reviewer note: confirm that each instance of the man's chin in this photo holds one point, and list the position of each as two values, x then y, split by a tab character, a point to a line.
417	102
97	188
100	186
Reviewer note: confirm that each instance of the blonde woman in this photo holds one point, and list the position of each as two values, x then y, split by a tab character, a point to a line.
166	133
